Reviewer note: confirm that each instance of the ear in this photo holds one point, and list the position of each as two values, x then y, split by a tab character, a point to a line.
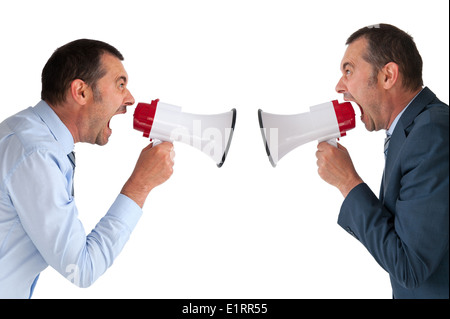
80	91
390	75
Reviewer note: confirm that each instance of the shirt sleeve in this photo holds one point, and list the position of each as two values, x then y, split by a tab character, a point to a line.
39	190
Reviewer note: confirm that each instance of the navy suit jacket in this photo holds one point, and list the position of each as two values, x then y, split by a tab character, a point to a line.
406	228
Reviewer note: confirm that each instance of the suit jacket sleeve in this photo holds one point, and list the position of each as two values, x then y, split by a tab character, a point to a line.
408	237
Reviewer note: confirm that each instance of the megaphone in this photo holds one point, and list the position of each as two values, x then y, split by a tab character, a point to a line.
324	122
211	134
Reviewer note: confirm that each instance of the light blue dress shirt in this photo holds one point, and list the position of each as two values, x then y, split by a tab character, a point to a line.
38	216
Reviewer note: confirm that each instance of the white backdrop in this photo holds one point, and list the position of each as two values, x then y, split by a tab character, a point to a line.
246	230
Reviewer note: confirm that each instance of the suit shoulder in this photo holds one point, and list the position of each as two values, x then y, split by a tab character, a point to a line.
435	113
437	108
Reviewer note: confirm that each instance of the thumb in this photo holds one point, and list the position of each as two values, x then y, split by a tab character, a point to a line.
149	146
341	147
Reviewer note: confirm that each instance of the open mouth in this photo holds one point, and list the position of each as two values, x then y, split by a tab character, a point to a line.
361	109
122	110
362	113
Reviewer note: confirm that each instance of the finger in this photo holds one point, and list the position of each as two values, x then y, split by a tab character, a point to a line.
318	154
319	145
149	146
322	146
166	145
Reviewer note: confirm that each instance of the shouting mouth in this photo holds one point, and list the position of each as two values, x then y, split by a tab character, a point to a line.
121	110
361	109
349	98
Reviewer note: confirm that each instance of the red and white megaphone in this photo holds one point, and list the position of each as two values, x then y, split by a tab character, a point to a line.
324	122
211	134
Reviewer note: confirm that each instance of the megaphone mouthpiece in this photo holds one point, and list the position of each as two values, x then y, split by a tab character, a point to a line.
143	117
345	115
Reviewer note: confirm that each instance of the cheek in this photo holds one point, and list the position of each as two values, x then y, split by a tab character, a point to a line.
99	115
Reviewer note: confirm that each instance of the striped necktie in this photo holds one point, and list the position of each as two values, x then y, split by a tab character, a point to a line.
71	157
386	144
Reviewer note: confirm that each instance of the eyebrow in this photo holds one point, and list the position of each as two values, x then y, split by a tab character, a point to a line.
123	78
346	64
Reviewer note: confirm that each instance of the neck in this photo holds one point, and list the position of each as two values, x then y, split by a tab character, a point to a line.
399	102
69	116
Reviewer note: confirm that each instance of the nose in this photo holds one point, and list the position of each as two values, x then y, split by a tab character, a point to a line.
340	87
129	99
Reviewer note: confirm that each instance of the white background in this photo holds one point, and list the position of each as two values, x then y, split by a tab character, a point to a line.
246	230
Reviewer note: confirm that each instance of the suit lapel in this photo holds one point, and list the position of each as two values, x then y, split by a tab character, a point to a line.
401	132
395	146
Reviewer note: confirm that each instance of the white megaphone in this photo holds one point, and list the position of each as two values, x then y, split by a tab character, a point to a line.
324	122
211	134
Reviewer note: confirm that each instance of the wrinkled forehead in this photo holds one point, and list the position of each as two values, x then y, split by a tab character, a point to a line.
354	54
113	67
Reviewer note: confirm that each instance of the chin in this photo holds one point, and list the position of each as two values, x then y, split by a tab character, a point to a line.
103	137
102	141
370	128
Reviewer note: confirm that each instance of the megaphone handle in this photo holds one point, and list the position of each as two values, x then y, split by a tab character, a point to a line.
155	141
333	142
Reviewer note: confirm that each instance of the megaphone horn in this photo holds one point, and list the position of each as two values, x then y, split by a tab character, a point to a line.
211	134
324	122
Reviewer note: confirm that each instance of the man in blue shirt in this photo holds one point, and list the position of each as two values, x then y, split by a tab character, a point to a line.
405	228
84	84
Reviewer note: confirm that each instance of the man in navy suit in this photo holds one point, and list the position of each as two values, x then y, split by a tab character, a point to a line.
406	228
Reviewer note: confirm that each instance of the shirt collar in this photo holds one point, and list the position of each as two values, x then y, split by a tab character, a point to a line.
55	125
394	124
